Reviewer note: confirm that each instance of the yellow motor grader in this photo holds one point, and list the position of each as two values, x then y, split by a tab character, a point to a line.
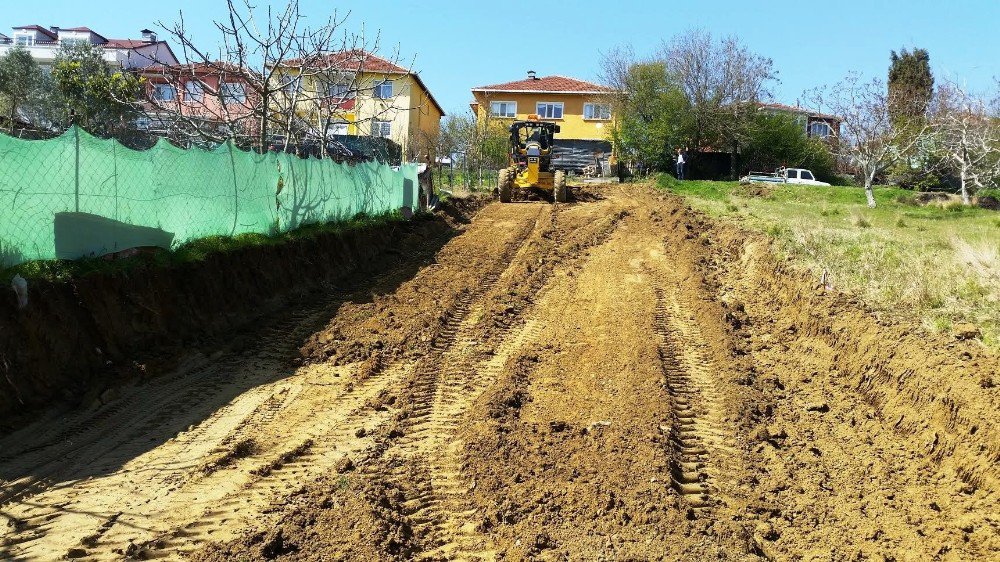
530	167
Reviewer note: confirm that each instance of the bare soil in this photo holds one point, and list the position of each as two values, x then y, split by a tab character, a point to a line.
617	378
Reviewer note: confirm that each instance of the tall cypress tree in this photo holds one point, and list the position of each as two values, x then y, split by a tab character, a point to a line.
911	85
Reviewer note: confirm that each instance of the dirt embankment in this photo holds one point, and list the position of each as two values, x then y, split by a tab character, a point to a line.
77	339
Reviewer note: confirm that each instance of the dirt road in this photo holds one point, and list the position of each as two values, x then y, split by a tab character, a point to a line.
612	379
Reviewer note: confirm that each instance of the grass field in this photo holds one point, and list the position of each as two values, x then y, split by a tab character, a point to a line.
940	261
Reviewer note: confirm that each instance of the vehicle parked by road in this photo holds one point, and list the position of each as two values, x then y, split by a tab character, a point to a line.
800	176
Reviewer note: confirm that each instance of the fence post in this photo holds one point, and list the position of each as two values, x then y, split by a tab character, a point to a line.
236	188
76	182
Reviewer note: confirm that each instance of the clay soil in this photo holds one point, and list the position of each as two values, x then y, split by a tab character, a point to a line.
616	378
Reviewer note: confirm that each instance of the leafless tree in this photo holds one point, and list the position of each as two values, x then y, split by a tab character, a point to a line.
966	130
723	81
272	76
869	139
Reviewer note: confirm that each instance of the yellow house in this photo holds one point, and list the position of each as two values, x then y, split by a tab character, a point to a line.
580	108
358	93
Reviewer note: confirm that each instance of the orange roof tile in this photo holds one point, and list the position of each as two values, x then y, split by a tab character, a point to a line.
547	84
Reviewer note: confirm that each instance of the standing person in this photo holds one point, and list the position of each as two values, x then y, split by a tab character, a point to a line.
680	164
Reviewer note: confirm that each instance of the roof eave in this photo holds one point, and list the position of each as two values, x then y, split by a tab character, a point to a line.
490	90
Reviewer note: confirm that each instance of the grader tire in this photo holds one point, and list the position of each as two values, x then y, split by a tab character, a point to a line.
559	191
504	187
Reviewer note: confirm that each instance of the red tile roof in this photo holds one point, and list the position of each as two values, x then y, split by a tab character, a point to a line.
354	60
547	84
358	60
37	28
126	43
83	30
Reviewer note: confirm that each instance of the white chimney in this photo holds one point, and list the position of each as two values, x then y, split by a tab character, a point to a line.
148	35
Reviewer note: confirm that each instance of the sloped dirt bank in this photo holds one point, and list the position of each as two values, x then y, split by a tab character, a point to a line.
76	340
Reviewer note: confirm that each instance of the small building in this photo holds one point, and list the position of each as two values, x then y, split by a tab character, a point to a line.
44	43
580	108
209	96
816	124
357	93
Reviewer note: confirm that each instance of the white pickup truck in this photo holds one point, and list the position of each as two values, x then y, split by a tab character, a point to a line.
799	176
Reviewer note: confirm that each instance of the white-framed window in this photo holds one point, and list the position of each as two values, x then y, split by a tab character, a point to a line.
549	109
336	129
143	123
24	40
503	108
597	111
233	92
819	129
194	91
383	90
381	129
164	92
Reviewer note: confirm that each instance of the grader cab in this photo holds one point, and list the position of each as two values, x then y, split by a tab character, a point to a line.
530	168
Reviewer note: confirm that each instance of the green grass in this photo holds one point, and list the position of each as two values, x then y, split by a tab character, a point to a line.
190	252
939	261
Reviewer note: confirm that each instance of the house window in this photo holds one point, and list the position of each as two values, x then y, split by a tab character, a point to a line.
381	129
24	40
597	111
819	129
336	129
504	108
194	91
73	41
143	123
549	110
339	91
164	92
383	90
233	92
293	85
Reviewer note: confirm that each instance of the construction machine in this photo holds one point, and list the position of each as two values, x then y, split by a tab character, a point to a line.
530	168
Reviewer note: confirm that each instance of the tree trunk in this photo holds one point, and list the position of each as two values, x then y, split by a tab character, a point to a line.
965	189
869	192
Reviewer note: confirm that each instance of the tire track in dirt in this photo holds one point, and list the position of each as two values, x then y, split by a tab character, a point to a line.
695	437
430	455
338	436
445	384
111	433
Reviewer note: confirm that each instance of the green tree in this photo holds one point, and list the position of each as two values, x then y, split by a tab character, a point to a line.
20	79
911	89
776	139
656	118
102	98
911	85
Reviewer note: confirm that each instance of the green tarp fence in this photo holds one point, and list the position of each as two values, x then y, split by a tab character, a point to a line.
79	195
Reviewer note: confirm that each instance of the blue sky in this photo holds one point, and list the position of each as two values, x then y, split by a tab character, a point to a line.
458	45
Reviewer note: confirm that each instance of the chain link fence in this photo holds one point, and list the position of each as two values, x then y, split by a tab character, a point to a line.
78	195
